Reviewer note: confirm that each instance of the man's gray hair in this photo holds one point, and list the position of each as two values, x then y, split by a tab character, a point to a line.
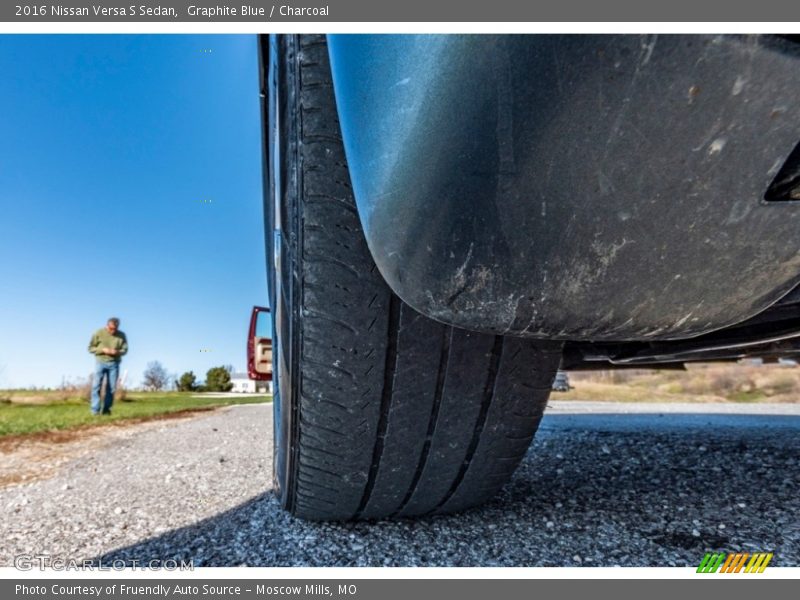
114	320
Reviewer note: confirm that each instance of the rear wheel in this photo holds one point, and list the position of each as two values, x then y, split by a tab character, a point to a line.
379	411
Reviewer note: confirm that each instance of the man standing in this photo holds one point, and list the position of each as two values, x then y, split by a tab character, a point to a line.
108	344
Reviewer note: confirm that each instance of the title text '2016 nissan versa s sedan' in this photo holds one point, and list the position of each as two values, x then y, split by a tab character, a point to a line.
451	218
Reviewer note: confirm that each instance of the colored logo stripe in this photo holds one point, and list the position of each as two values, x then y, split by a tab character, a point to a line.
758	563
711	562
734	562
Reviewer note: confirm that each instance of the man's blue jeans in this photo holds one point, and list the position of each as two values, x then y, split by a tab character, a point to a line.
109	370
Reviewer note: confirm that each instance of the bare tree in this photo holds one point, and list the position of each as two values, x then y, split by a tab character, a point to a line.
155	377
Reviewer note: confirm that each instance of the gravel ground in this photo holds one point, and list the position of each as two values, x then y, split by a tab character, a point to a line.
655	488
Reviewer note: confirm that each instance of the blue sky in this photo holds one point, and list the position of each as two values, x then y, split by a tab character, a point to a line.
130	185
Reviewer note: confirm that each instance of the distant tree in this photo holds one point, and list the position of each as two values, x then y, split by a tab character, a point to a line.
187	382
155	377
218	379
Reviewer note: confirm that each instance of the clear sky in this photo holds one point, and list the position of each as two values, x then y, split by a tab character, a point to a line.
130	186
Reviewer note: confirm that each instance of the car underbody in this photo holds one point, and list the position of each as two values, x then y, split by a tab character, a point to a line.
772	335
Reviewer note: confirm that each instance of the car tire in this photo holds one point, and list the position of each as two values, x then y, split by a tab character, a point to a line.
379	411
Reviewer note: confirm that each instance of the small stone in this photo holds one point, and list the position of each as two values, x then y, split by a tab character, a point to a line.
721	526
577	558
695	533
118	511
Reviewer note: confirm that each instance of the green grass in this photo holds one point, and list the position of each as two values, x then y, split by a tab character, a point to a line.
750	396
20	418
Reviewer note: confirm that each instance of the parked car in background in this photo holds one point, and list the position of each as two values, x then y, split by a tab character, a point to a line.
561	382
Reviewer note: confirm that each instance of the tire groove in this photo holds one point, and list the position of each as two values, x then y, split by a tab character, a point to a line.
323	471
312	258
323	199
314	498
316	314
386	400
447	339
323	365
488	395
322	427
343	407
308	447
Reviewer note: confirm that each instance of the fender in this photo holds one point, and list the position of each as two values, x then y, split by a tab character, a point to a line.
578	187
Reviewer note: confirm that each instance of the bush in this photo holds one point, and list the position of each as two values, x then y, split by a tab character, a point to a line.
218	379
187	382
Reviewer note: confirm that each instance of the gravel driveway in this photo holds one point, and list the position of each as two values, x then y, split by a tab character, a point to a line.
655	488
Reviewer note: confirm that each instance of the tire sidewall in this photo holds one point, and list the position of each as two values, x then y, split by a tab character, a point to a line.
283	288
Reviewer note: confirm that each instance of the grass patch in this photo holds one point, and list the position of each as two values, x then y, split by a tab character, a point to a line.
19	418
751	396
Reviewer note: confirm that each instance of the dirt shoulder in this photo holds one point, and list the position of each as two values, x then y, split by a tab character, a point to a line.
34	456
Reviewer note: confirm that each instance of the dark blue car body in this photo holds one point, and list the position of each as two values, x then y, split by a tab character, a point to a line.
579	187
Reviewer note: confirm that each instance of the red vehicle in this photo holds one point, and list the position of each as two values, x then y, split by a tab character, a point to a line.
259	346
